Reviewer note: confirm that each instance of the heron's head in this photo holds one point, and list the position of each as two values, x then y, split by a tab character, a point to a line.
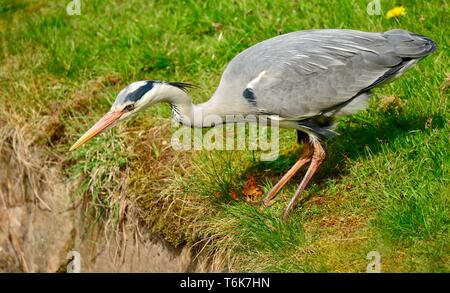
129	101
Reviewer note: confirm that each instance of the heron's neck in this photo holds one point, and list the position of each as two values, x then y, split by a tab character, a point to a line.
189	114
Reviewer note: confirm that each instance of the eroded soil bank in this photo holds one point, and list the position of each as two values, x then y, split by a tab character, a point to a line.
41	221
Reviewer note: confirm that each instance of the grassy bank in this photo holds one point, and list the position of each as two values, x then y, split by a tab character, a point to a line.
384	185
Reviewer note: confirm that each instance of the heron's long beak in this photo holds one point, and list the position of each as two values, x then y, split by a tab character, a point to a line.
100	126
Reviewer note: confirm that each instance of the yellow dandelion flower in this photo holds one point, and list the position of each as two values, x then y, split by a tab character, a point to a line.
396	11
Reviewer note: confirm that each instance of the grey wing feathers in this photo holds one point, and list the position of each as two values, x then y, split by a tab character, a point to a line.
410	45
304	74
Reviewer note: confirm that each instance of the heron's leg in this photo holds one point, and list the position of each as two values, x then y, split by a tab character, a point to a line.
305	158
317	159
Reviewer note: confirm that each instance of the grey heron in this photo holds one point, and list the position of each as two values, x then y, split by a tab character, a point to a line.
305	79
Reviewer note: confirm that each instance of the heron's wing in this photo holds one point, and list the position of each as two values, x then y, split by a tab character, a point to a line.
305	74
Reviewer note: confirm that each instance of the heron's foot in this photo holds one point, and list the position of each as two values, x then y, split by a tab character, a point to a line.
267	202
305	158
317	159
287	212
256	203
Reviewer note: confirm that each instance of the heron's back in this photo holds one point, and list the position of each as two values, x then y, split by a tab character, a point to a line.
318	73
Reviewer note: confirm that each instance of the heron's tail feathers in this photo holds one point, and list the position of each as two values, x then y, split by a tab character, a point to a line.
410	45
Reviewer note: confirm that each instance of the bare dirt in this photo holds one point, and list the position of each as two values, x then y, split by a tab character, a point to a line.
41	221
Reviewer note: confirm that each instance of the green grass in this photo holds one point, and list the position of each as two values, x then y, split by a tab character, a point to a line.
384	185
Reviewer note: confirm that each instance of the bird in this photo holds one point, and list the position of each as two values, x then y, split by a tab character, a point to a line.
305	80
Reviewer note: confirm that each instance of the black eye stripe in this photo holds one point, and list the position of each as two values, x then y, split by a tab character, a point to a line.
141	91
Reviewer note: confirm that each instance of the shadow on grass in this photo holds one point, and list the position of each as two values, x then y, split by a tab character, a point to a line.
355	139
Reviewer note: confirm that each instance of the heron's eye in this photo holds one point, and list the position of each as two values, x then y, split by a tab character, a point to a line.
129	107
